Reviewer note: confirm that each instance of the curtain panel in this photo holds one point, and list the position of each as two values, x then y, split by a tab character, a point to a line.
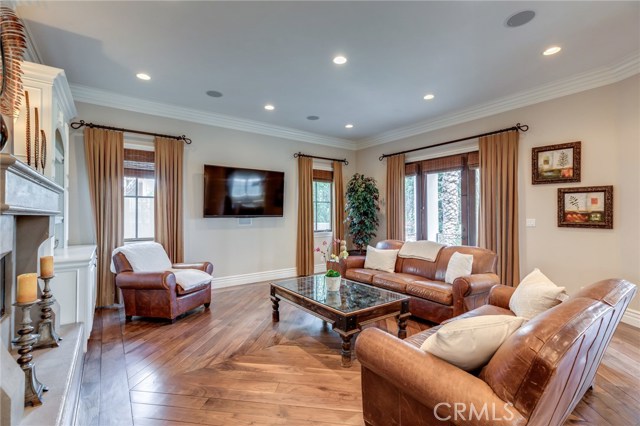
104	155
338	196
168	207
395	197
499	202
304	247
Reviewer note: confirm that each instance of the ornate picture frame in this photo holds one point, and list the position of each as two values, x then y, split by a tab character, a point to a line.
586	207
558	163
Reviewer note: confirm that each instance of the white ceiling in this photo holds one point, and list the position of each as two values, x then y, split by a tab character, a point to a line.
281	53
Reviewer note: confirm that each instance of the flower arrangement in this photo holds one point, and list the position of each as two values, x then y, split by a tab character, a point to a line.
327	250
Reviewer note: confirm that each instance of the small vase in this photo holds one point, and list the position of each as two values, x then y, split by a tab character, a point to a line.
333	283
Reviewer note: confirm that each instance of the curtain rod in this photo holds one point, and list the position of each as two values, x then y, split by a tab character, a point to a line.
518	126
299	154
78	124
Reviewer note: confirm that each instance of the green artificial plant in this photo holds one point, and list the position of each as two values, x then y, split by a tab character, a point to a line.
362	207
332	273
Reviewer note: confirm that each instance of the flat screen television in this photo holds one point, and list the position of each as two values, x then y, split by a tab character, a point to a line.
236	192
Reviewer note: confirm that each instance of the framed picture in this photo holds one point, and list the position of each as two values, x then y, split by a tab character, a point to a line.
586	207
556	163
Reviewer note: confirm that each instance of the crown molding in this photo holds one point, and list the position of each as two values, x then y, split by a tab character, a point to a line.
109	99
568	86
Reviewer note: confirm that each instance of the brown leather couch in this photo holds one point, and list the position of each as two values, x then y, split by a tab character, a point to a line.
156	294
431	298
536	377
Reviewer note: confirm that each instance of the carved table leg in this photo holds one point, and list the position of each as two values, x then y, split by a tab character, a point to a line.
346	351
402	326
275	316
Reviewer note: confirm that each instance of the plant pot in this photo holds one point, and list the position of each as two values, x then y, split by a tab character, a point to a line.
333	283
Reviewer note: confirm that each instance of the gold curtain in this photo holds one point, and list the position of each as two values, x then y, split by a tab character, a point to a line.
168	197
338	195
304	249
104	154
499	202
395	197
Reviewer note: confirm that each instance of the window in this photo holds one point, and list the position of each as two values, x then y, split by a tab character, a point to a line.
441	200
139	192
322	200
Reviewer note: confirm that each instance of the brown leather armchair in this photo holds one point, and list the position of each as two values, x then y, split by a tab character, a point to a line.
156	294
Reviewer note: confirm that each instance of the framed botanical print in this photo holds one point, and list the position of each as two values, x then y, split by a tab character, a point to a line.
586	207
556	163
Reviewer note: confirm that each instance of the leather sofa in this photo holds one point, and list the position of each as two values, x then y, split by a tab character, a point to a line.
431	298
537	377
156	294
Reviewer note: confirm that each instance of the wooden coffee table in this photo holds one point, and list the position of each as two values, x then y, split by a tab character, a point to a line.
347	310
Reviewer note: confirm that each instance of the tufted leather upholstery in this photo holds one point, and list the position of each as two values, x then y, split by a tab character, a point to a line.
431	298
156	294
536	377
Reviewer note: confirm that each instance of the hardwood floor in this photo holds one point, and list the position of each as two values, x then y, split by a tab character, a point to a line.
232	366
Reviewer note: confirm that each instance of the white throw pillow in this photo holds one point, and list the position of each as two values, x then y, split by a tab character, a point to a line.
535	294
460	265
469	343
382	260
190	278
145	257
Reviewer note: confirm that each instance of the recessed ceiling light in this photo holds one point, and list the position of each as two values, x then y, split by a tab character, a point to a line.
143	76
339	60
552	50
428	96
520	18
214	93
348	126
269	107
313	117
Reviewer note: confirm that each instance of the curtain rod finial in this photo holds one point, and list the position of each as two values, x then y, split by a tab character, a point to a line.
522	127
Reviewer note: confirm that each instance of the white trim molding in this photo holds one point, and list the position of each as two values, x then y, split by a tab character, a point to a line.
252	278
128	103
578	83
632	317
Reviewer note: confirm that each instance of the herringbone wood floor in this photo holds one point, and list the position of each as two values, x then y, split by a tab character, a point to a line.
232	366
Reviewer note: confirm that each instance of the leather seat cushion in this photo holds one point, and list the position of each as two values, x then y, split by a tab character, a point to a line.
436	291
396	281
362	275
181	292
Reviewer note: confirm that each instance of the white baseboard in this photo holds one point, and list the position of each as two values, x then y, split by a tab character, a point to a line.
631	317
256	277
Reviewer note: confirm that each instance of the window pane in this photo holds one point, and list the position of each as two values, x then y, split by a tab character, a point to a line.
145	218
146	187
410	212
129	218
444	207
130	186
323	191
323	216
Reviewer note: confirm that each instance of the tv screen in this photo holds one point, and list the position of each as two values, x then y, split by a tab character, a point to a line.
235	192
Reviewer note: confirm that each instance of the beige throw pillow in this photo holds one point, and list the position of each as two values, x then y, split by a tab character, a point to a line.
460	265
469	343
382	260
535	294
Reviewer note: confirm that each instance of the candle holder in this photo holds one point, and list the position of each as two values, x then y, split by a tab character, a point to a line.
48	337
32	387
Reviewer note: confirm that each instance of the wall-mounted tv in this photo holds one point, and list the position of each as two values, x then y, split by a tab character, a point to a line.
236	192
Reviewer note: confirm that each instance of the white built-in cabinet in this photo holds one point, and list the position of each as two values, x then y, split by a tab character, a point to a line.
74	285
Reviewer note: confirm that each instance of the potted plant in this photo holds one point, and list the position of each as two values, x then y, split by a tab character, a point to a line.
332	280
362	207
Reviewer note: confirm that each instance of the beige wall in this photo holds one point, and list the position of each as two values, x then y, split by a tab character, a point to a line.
268	244
607	122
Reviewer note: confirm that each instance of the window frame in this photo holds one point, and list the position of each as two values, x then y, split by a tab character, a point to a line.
137	197
322	176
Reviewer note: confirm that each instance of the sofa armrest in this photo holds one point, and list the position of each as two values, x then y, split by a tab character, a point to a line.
351	262
202	266
472	291
430	380
146	280
500	295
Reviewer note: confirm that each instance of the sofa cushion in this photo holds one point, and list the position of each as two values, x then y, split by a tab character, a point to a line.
535	294
395	281
418	339
147	256
189	279
482	310
383	260
460	265
361	275
469	343
181	291
436	291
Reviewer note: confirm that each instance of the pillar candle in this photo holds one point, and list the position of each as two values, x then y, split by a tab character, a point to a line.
46	266
27	288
